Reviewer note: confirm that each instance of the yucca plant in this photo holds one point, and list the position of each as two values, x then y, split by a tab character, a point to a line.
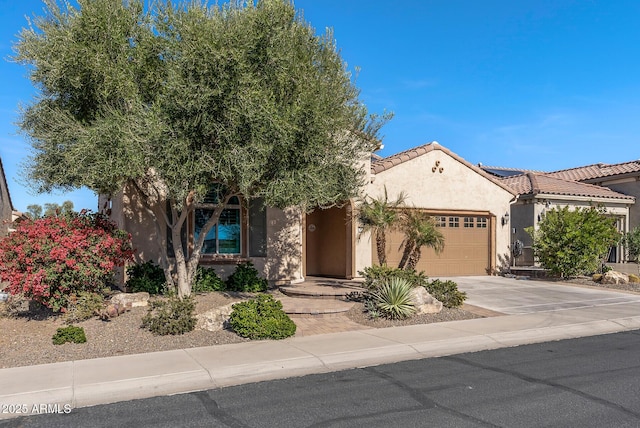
393	299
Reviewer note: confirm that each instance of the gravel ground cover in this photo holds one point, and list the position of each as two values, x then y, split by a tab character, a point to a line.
26	339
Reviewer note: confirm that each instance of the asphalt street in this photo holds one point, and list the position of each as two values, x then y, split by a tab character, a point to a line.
587	382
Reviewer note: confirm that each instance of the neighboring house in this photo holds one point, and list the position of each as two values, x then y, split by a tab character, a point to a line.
470	206
622	178
539	192
7	213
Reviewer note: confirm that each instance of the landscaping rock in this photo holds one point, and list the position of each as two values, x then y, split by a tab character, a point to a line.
130	300
113	310
614	277
424	302
216	318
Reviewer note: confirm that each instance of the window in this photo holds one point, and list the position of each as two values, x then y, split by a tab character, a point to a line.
468	222
441	221
481	222
454	221
226	236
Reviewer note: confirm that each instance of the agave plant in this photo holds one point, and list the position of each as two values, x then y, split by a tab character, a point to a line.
393	299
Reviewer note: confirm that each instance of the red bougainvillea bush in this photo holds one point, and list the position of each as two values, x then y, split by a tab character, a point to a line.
53	258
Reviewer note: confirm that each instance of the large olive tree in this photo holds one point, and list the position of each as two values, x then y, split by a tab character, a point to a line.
171	100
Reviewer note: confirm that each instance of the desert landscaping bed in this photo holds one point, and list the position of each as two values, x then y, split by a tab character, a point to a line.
26	340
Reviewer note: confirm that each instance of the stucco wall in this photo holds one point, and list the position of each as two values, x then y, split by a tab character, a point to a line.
5	205
438	181
5	210
630	188
284	239
284	245
528	213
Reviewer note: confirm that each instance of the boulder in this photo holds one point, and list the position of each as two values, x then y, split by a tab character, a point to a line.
130	300
424	302
614	277
216	318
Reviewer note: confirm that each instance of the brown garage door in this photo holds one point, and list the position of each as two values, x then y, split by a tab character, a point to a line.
466	249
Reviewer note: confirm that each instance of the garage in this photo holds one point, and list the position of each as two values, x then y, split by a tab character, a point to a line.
467	249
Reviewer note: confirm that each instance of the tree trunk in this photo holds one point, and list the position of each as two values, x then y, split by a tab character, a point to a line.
414	258
408	249
381	247
184	285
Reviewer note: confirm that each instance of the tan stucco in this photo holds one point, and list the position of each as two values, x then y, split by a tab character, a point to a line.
529	211
438	180
283	262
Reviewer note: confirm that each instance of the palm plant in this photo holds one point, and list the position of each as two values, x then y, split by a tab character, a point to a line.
393	299
378	215
420	231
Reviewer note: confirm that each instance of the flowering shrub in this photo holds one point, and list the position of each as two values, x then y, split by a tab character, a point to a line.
52	258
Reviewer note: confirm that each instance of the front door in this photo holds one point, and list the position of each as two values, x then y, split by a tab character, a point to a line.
328	237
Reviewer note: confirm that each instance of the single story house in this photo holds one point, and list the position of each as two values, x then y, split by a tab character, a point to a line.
471	207
615	187
539	192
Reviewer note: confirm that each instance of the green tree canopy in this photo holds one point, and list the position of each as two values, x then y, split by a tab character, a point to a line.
378	216
171	99
573	242
51	209
419	231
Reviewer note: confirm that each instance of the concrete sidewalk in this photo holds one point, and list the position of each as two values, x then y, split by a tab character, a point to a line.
105	380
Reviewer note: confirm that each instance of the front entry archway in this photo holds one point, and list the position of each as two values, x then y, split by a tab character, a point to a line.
329	237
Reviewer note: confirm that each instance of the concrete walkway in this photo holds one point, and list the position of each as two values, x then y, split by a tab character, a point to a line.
536	312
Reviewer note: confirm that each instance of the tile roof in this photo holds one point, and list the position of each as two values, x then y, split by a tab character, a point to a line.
600	170
383	164
533	183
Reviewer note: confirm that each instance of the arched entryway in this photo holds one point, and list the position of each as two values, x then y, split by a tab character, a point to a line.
329	237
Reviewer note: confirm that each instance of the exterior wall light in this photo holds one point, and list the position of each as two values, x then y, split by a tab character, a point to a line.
505	219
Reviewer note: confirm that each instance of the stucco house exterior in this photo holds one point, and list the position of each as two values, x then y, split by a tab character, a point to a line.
623	178
7	213
470	205
614	187
540	192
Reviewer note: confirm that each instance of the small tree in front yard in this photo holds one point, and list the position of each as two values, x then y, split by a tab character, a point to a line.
573	242
378	216
419	231
52	259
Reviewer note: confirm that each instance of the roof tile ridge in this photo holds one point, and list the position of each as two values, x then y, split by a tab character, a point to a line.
535	187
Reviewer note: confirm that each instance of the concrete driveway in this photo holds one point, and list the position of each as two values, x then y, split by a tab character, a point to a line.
514	297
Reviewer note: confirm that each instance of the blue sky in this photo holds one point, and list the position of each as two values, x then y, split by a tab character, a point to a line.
544	84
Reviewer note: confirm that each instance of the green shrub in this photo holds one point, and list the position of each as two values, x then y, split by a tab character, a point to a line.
573	242
261	318
170	316
393	299
246	278
83	307
376	276
597	277
447	292
207	280
147	277
70	334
